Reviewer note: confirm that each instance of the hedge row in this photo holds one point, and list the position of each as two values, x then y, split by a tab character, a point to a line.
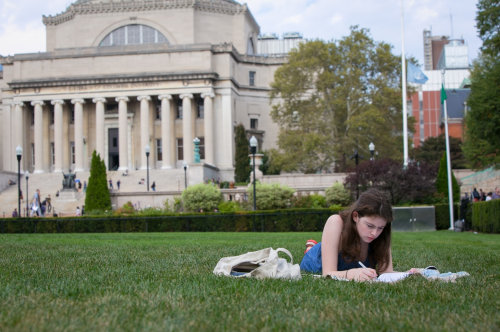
294	220
486	216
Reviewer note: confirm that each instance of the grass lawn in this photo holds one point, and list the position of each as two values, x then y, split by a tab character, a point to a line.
164	282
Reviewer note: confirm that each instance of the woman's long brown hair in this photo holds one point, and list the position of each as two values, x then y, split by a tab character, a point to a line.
372	202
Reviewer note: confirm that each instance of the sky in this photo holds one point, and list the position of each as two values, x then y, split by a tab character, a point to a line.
22	30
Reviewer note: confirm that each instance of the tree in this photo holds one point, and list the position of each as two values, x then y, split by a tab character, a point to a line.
242	167
97	196
442	182
332	98
433	148
482	132
413	184
199	197
488	21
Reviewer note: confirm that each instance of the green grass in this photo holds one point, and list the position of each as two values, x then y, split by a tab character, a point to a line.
164	282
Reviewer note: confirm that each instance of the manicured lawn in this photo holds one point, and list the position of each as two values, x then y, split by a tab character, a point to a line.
164	281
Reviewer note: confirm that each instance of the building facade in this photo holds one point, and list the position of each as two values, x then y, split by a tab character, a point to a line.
126	77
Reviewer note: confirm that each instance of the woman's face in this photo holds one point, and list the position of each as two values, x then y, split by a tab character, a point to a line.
369	227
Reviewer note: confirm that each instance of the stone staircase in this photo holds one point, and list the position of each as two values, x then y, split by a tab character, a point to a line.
66	202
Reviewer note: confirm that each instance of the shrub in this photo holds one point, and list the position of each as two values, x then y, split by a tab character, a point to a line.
97	195
127	209
230	206
309	201
337	195
199	197
271	196
442	182
442	212
485	216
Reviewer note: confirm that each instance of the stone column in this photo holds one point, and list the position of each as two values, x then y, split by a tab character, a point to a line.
38	135
122	132
18	132
167	132
187	127
226	154
209	127
144	128
58	135
99	125
78	127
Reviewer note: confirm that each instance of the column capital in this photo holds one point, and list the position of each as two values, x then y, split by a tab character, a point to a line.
18	103
167	97
77	101
207	94
186	95
57	101
122	98
37	102
99	100
141	98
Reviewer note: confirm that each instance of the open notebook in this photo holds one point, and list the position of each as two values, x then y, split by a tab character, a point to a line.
392	276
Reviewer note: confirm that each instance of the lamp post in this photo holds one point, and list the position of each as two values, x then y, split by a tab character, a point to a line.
371	147
19	155
27	175
185	174
253	149
147	149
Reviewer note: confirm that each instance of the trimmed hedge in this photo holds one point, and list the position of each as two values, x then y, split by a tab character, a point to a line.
290	220
486	216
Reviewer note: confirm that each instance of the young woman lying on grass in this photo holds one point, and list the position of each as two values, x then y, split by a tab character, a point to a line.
360	235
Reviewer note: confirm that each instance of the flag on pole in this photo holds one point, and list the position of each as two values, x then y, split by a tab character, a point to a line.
443	94
415	75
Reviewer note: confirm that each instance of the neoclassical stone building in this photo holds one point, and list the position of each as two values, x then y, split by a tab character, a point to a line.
119	76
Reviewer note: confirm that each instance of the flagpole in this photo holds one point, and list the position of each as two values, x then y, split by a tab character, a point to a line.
448	160
403	79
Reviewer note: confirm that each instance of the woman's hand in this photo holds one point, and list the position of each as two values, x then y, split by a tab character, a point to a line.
361	274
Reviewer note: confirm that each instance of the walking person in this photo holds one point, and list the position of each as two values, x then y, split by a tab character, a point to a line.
153	186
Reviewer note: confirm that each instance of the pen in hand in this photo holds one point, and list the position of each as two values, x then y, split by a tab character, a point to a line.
363	266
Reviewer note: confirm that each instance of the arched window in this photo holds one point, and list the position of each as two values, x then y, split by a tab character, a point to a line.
134	34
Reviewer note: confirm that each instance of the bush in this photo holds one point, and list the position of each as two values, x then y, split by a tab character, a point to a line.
200	197
337	195
313	201
486	216
229	206
271	196
127	209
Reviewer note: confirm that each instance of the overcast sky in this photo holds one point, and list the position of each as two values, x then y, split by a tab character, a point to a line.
22	30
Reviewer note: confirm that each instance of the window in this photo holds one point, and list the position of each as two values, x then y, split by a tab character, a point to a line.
72	152
33	153
51	115
133	34
52	153
200	109
179	109
251	78
159	154
180	149
158	110
254	123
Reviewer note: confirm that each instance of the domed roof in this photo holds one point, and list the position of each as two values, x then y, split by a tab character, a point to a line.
106	6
